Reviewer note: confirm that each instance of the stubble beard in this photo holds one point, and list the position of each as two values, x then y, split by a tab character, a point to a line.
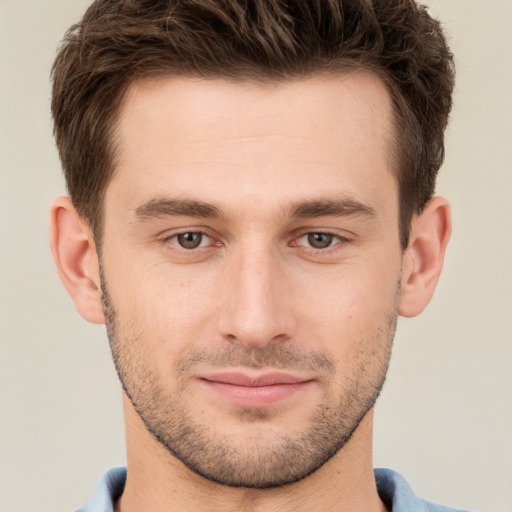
258	462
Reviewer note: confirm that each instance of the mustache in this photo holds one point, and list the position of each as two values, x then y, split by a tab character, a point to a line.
277	355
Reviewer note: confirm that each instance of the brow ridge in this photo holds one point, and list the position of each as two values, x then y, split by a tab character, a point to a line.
332	207
164	207
167	207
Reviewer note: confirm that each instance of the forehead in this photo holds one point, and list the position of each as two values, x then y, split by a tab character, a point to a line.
239	140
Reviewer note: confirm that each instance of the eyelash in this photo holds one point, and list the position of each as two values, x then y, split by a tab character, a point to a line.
173	239
337	240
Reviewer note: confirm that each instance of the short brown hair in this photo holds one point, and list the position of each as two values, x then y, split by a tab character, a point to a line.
119	41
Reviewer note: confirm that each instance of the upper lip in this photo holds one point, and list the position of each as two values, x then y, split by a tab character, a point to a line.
244	379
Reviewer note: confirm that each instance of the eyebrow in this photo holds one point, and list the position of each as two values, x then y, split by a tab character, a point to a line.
164	207
168	207
343	207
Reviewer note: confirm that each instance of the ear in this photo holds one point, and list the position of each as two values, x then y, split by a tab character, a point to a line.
424	257
74	252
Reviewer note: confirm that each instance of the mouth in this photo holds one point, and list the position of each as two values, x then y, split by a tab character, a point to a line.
262	390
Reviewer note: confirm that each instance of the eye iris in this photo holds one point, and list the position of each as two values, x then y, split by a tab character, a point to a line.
190	240
319	240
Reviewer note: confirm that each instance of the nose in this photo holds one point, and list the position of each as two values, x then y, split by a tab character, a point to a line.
256	307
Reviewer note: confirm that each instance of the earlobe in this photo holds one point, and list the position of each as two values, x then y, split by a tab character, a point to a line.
74	253
424	257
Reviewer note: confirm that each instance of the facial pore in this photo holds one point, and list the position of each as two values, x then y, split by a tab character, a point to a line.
264	460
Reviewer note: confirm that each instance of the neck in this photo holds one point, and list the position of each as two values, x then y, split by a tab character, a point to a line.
158	482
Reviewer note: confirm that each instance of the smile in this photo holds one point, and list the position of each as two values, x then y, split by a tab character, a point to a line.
255	391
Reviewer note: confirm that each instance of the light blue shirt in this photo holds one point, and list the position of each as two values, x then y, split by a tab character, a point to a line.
394	491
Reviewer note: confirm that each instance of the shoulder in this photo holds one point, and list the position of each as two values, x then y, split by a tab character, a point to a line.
398	496
393	489
107	491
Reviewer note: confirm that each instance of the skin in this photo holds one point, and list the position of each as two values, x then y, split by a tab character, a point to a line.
274	164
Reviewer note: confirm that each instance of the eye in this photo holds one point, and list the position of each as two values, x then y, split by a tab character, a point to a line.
319	240
191	240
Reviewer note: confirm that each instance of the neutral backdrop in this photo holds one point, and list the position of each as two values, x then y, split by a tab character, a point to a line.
444	420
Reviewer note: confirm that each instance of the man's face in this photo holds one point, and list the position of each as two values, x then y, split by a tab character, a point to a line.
251	266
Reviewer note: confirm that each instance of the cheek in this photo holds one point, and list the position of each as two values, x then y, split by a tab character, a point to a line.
350	305
171	308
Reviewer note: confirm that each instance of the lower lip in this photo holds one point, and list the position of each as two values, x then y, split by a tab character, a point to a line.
256	396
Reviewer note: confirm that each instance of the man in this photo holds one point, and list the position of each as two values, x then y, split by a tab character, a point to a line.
251	207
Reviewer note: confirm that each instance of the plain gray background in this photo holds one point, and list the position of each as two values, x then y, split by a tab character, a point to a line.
444	420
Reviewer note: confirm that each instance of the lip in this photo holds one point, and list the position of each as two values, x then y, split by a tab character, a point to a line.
263	390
